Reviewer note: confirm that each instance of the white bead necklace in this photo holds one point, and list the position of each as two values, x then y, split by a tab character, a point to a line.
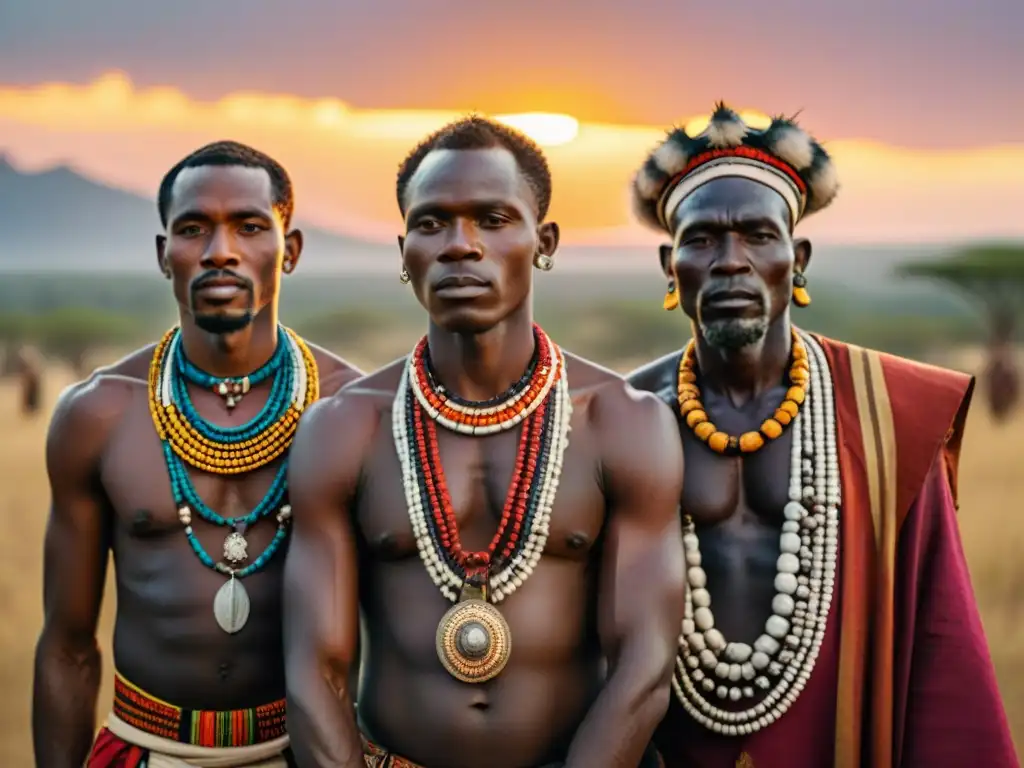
550	376
511	575
783	657
295	360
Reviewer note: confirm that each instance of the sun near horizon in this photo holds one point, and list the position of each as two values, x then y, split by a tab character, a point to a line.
342	159
548	129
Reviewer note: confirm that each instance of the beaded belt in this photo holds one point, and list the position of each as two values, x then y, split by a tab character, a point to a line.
200	728
378	757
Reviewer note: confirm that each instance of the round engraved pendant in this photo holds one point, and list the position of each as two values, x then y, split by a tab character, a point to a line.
473	641
235	547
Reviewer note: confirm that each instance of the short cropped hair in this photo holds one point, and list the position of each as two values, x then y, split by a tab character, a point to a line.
476	132
228	153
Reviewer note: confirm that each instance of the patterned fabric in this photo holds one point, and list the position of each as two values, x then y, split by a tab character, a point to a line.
200	728
378	757
110	751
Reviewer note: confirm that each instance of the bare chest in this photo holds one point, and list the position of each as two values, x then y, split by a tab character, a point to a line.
472	480
146	521
736	504
719	489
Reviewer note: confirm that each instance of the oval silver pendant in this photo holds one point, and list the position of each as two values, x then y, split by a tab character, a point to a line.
231	606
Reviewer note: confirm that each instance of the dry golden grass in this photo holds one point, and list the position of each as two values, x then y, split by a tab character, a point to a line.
992	484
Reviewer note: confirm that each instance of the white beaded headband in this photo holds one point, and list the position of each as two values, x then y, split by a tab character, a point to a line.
737	167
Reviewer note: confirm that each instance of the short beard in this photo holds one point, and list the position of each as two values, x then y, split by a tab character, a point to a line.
222	325
734	334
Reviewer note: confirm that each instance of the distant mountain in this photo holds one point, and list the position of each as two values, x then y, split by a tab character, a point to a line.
58	220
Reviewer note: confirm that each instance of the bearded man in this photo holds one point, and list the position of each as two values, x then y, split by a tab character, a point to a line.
174	459
819	504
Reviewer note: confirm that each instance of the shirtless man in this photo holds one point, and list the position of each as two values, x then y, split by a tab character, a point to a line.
387	477
191	641
830	618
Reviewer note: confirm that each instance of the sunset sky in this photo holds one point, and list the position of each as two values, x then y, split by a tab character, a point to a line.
919	102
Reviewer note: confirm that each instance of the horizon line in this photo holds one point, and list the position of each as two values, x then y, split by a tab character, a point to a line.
115	85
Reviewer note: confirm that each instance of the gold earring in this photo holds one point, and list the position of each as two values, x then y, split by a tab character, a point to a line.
671	297
404	277
800	295
543	262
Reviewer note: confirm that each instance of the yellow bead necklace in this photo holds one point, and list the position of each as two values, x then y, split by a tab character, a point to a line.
692	409
228	458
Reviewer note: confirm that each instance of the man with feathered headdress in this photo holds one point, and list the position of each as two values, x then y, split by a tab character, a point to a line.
829	612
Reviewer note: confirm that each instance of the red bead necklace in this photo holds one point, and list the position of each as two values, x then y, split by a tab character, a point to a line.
476	564
491	417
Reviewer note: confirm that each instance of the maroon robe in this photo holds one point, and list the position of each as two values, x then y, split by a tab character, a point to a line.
904	678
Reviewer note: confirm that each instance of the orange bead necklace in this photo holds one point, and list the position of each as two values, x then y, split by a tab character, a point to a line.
692	409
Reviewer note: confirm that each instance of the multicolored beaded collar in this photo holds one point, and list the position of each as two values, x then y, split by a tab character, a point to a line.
473	639
189	439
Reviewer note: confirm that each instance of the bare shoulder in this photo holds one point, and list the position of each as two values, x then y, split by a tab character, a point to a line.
372	392
348	417
87	412
335	372
637	443
657	375
615	406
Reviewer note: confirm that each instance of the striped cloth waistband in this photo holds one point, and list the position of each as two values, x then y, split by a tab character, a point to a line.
200	728
377	757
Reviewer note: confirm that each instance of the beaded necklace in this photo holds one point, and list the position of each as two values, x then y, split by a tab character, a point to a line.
473	640
495	415
782	659
231	450
692	409
232	388
188	438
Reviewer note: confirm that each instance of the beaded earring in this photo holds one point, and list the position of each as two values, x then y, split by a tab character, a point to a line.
671	297
800	295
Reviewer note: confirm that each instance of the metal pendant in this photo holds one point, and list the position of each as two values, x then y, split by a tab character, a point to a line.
232	391
473	641
231	606
236	548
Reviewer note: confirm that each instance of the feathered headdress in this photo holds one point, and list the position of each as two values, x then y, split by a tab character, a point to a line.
782	156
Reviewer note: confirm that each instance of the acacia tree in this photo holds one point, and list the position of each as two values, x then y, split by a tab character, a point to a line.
992	277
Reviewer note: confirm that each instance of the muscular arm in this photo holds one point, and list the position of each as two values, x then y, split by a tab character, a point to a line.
953	713
640	603
67	661
321	600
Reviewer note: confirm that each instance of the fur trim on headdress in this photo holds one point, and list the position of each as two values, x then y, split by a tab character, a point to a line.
805	171
726	129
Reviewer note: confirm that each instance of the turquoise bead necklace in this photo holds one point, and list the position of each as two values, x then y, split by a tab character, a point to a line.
231	605
232	388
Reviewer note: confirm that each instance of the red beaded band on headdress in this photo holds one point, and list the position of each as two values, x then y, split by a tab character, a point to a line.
747	152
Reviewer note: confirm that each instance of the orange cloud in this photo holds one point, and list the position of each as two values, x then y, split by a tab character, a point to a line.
343	161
